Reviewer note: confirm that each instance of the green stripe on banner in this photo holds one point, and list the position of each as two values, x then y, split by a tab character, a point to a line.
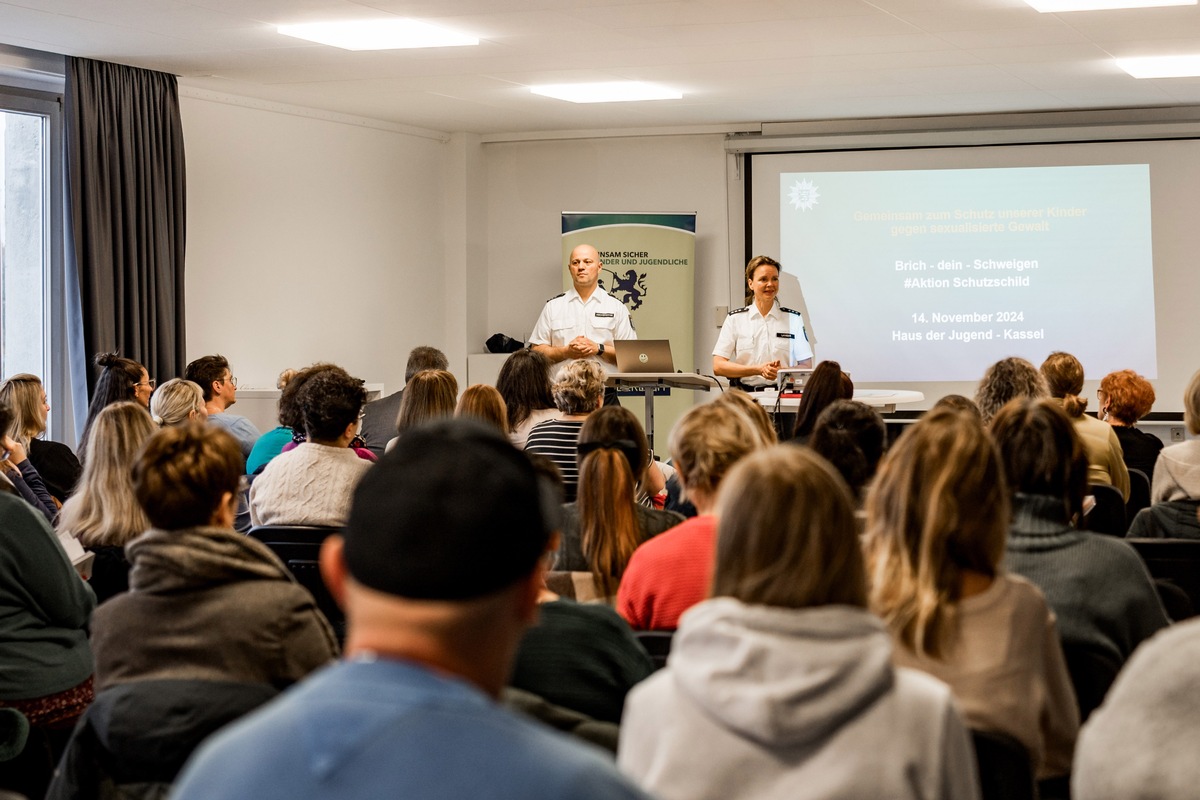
577	222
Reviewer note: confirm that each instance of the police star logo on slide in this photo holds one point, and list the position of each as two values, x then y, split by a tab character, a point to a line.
803	195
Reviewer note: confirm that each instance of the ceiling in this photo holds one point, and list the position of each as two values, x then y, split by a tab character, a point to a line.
738	62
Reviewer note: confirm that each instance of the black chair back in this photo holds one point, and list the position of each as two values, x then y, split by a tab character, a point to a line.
1092	673
1108	515
1139	493
657	644
1005	767
1174	561
299	548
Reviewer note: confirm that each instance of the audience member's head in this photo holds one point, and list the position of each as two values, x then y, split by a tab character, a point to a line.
1008	378
448	571
1191	405
189	476
786	533
524	383
939	508
423	358
290	415
120	379
429	394
330	403
26	397
177	402
209	373
1125	397
484	403
706	442
851	436
103	509
285	378
826	384
613	455
1064	380
958	402
743	403
1041	452
580	387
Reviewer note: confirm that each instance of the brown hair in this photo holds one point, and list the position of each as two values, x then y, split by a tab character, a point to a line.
483	402
1008	378
939	506
958	402
852	437
1064	378
290	413
786	534
708	440
759	261
205	371
524	383
1128	396
1041	452
828	383
24	394
103	509
183	473
579	388
613	456
429	395
742	403
1191	405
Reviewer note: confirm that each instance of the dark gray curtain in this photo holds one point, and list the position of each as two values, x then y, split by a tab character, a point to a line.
125	196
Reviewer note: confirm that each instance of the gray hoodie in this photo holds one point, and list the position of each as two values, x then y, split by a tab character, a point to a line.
761	702
1177	473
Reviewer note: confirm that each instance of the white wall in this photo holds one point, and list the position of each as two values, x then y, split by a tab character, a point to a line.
310	240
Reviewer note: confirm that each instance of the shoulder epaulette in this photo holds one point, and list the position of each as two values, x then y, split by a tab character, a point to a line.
787	310
560	294
738	310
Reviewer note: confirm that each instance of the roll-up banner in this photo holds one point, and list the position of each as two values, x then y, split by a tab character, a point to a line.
649	265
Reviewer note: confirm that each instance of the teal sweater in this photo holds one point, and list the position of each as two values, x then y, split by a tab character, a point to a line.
44	608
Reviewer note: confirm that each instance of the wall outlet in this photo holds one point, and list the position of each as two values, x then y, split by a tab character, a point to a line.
721	313
1176	434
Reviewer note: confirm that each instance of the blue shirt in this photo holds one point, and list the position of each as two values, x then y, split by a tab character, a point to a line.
371	729
269	445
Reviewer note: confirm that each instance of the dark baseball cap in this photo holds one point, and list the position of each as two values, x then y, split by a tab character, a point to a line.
453	512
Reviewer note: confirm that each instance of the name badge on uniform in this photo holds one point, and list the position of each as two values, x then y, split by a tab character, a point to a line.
605	314
786	335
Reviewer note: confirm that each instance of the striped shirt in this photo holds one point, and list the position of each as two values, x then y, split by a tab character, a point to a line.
557	439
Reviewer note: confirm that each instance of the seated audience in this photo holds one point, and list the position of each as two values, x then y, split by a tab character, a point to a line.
1097	586
937	520
1106	462
851	436
827	383
578	392
524	383
958	402
313	483
435	613
18	473
120	379
430	394
1008	378
213	376
484	403
1125	397
605	524
669	574
55	463
1175	490
379	416
47	662
1142	742
103	514
177	402
272	442
781	684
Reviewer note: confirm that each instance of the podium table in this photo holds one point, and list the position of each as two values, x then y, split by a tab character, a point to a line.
885	400
649	381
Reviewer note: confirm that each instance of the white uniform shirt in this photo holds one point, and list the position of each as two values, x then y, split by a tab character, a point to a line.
603	319
748	337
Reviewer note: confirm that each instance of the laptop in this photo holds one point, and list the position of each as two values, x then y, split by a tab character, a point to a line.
643	355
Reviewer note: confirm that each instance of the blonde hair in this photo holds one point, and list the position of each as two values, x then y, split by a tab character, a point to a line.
25	396
1064	379
579	387
1191	405
939	507
483	402
175	401
103	510
758	416
708	440
786	534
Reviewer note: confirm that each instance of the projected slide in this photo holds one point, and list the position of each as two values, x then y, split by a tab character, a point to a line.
931	275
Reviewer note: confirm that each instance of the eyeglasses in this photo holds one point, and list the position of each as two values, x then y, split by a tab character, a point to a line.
148	382
230	380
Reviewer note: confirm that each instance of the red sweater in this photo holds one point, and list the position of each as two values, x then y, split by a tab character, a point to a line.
668	575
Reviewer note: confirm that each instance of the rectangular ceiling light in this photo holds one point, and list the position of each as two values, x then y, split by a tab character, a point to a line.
608	92
376	34
1060	6
1161	66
